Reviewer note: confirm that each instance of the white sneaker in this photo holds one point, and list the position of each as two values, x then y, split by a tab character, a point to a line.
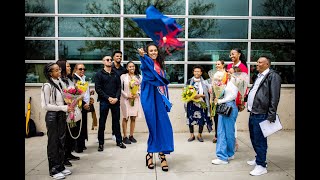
231	158
219	161
258	170
58	176
66	172
252	162
114	137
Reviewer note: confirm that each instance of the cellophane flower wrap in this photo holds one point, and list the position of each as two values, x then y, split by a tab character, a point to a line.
188	94
71	96
134	85
218	85
83	86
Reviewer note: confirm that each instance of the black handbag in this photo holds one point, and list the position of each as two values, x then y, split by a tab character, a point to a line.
223	109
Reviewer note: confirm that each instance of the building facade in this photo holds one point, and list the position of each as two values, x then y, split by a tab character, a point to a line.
86	30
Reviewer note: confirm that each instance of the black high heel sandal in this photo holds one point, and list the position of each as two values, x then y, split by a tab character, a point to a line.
148	157
162	158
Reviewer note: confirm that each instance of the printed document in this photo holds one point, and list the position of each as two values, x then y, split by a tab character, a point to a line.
269	128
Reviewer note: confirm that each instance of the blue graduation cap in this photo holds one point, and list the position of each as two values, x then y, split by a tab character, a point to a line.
160	28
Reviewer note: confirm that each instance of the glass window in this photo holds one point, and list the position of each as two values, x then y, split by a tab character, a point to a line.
218	28
212	51
39	50
39	6
273	29
277	52
168	7
39	26
175	73
87	50
89	7
131	28
273	8
206	68
34	73
286	72
89	27
219	7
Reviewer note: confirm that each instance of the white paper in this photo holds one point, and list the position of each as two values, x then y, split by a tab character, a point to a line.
268	128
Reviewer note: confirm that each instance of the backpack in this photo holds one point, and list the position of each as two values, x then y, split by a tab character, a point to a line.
32	130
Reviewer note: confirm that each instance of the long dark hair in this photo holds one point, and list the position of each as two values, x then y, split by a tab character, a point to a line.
46	71
242	57
62	63
160	58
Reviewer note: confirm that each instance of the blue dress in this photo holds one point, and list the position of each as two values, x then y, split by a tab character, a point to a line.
158	122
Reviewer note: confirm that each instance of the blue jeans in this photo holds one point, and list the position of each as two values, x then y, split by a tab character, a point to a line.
226	138
259	142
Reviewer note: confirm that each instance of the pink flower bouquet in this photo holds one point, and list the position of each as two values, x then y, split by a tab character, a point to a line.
71	97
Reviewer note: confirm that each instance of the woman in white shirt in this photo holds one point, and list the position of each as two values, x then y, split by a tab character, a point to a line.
52	101
226	130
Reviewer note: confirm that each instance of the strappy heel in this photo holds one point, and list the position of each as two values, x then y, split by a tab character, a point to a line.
162	158
148	157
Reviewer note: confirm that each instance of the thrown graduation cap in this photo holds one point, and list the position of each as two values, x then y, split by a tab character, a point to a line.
161	29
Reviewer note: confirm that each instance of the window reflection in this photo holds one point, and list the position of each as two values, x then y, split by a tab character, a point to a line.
39	6
273	8
218	28
278	52
212	51
39	26
175	73
39	50
167	7
89	27
286	72
87	50
273	29
219	7
89	7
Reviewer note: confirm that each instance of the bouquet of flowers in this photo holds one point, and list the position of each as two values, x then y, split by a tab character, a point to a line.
71	96
188	94
134	87
218	86
83	87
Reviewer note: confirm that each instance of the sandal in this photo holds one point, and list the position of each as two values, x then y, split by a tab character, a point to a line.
148	157
162	157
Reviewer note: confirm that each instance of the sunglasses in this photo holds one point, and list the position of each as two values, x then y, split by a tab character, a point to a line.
108	60
82	69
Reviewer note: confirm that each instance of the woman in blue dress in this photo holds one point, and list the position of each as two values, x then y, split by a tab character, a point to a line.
156	105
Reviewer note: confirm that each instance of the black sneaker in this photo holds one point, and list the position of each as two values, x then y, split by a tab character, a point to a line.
100	148
67	163
126	140
132	139
121	145
72	157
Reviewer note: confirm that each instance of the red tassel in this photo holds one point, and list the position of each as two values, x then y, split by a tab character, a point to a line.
170	41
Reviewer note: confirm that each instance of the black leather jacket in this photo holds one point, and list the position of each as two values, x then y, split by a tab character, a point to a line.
267	96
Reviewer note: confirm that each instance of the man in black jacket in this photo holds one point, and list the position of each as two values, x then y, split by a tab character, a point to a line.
108	88
262	103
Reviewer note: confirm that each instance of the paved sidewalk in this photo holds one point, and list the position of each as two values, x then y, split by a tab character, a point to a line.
189	161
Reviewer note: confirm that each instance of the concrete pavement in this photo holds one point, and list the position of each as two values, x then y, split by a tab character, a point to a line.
189	161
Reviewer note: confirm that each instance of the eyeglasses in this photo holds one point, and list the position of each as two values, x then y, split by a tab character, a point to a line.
108	60
82	69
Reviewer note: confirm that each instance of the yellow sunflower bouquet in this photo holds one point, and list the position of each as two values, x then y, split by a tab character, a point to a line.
189	93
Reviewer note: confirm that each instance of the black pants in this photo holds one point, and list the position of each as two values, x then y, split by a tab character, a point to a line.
192	130
115	112
56	131
215	118
70	142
